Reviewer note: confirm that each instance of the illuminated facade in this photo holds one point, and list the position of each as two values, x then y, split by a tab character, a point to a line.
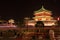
29	22
9	23
45	16
42	15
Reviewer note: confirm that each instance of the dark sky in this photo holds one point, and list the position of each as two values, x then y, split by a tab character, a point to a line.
25	8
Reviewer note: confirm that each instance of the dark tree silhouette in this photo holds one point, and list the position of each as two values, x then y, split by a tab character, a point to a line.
39	24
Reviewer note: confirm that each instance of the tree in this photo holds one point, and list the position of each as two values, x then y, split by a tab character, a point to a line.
39	24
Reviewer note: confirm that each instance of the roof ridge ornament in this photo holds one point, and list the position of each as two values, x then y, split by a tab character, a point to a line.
43	8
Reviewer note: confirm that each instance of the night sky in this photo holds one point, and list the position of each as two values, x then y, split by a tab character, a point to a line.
25	8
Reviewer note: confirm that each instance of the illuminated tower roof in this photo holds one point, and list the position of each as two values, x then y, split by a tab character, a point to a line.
42	9
42	14
45	16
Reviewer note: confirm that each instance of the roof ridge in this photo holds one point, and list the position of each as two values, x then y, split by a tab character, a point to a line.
42	9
